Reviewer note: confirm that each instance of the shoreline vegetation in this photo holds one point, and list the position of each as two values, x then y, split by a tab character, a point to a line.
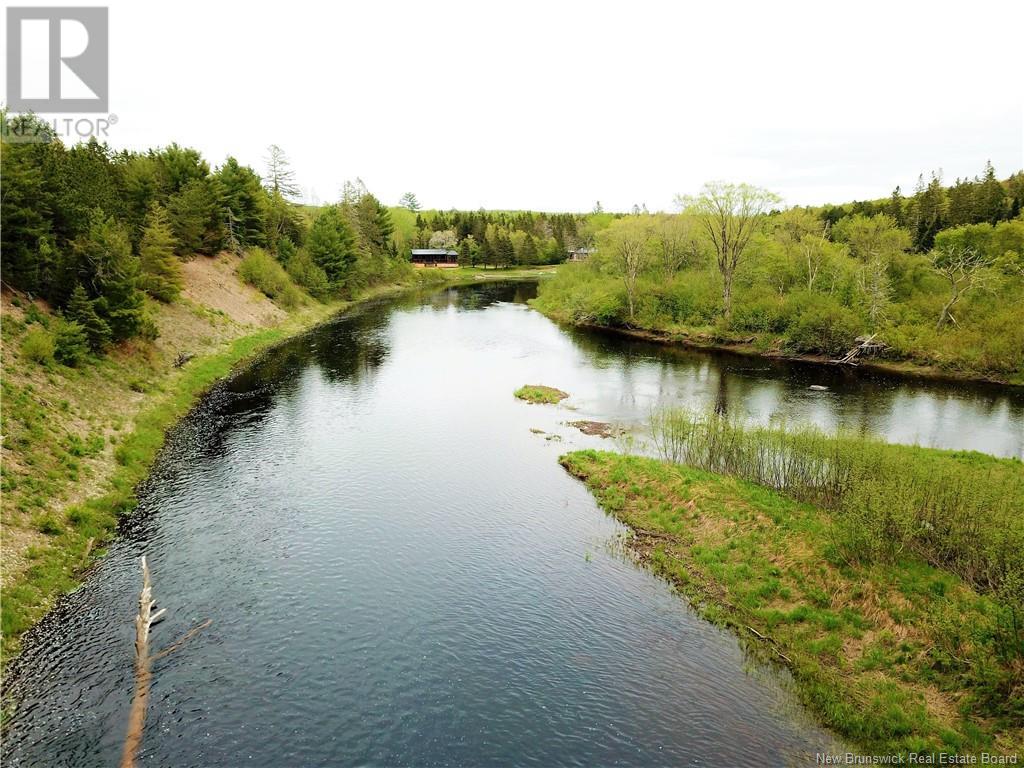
51	541
888	579
931	284
753	347
132	281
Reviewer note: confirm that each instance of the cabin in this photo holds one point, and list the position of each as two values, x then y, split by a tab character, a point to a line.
581	254
437	257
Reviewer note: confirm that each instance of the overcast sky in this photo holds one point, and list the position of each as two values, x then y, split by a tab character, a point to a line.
554	105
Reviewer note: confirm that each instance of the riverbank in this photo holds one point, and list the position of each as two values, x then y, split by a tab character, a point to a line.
770	348
77	441
894	656
685	307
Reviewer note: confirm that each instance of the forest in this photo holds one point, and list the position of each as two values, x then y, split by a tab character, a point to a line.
98	233
494	238
935	279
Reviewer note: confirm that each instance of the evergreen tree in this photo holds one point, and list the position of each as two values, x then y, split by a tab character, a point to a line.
487	255
282	222
373	222
243	202
465	254
409	201
961	209
285	249
81	311
990	198
929	211
528	253
24	215
161	270
195	219
331	244
280	178
894	207
104	259
179	166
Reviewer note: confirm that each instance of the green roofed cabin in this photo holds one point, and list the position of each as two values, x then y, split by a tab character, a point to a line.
436	257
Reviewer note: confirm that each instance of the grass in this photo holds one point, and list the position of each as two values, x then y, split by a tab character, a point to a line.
54	568
959	510
893	655
45	462
538	393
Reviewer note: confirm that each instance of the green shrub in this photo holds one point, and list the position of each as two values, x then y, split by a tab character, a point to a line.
305	272
48	524
763	311
38	345
71	343
265	273
822	325
694	299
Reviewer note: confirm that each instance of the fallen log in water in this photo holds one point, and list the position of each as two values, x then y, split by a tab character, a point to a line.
144	622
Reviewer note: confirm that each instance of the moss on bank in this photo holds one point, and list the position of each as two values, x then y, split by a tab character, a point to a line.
893	656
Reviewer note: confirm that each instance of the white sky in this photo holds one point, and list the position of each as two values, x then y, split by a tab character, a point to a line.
553	105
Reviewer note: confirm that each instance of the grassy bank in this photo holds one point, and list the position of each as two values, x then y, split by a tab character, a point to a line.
895	654
73	534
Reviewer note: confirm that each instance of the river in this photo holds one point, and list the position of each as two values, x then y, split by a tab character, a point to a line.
398	571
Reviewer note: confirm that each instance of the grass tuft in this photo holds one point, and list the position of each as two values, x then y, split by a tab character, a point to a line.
538	393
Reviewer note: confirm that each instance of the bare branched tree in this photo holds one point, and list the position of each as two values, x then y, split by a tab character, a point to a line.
730	214
965	270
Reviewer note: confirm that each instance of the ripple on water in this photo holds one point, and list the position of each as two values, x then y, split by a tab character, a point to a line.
395	566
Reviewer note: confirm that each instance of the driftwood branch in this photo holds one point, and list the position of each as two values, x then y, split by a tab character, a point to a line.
772	643
867	346
182	640
144	622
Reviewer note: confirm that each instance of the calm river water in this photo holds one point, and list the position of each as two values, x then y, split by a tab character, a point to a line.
398	571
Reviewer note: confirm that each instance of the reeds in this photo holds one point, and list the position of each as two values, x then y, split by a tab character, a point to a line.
960	511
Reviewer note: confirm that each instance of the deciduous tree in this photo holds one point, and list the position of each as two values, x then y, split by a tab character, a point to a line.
730	214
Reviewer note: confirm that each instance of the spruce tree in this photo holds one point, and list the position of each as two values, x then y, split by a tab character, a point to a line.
895	207
81	310
990	197
243	201
161	270
331	243
528	253
195	219
104	257
280	178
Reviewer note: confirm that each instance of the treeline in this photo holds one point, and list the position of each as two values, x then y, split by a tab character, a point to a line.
502	239
933	207
94	231
733	267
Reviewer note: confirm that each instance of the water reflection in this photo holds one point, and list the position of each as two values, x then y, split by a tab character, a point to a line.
400	573
929	412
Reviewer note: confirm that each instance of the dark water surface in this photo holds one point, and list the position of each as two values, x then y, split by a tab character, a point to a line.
398	571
